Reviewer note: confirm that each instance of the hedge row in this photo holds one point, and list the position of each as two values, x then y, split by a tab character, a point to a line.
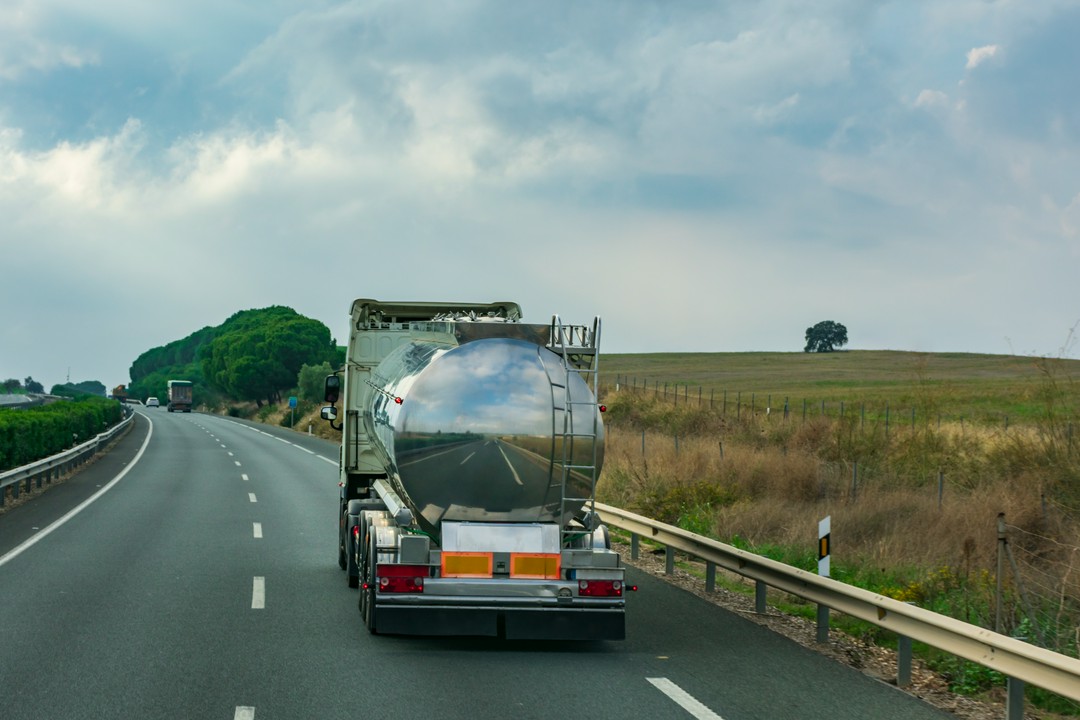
36	433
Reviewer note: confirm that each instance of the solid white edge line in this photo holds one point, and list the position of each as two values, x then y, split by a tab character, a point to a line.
256	529
258	593
332	462
33	540
517	479
244	712
684	699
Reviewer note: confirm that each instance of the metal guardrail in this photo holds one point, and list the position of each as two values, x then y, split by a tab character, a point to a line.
45	471
1017	660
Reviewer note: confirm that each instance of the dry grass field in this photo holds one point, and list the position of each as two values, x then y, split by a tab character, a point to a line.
914	505
982	388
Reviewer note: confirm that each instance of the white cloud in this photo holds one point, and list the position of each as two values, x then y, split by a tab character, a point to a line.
82	177
979	55
931	98
25	47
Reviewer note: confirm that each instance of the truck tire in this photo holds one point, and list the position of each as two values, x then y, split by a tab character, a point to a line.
343	543
367	594
346	551
352	571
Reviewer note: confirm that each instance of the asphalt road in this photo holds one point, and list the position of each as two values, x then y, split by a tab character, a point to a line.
202	582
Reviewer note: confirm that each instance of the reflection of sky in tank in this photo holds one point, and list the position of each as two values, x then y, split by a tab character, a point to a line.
494	387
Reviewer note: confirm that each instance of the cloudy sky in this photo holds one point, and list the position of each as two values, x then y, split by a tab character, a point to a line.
705	176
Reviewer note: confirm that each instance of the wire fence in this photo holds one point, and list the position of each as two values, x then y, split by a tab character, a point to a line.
1046	576
890	417
1037	593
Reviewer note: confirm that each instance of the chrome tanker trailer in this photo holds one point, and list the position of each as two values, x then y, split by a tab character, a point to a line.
471	444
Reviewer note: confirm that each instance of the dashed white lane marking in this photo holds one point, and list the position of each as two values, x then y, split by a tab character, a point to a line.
430	457
281	439
685	700
231	455
466	458
251	497
258	593
237	463
244	712
222	444
256	529
244	477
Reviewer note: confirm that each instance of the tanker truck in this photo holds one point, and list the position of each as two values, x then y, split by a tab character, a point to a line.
471	444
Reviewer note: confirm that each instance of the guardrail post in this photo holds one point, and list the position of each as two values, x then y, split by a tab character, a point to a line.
635	546
1048	670
669	560
710	577
760	590
903	661
1014	703
823	623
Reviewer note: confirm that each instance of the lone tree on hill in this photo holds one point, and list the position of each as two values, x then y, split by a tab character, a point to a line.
826	336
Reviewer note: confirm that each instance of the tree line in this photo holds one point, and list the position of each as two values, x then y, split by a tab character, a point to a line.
13	386
254	355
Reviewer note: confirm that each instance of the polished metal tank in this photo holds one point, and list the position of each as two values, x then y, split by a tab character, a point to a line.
475	432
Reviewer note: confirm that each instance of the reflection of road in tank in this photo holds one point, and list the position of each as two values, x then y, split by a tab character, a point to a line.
478	481
517	478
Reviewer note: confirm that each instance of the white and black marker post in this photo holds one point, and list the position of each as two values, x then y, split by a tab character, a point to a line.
824	548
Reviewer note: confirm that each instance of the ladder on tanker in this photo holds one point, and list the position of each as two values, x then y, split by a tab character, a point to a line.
577	347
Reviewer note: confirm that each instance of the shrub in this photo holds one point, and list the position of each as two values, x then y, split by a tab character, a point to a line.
35	433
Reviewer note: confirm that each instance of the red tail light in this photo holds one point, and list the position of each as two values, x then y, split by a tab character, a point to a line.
600	588
401	578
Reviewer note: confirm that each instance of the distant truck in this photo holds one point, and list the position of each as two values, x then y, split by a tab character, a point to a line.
179	396
471	446
120	393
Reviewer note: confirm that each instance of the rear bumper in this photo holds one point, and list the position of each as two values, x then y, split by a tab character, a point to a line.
512	623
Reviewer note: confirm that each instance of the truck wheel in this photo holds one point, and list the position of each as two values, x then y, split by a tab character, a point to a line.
352	570
342	560
367	595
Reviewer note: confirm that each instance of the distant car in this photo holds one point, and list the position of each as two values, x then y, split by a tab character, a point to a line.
152	402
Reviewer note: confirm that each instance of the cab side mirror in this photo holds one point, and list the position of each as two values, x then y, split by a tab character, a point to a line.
333	388
329	413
